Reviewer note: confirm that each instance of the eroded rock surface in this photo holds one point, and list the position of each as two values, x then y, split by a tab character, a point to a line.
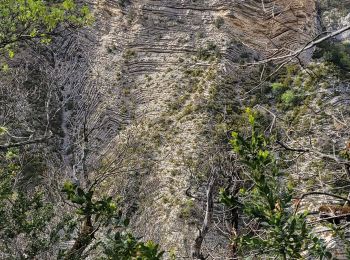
166	58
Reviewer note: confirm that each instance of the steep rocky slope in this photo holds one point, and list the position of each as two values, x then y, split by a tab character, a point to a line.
144	103
168	60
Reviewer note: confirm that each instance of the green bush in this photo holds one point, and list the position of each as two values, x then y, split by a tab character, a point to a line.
129	54
288	97
336	53
124	246
27	217
282	234
219	22
278	88
210	52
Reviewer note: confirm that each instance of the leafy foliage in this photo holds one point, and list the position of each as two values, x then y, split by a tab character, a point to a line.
29	219
104	212
22	20
279	231
23	215
104	208
335	53
288	97
288	91
210	52
124	246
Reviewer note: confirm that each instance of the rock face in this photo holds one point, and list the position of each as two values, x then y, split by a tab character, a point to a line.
166	61
144	103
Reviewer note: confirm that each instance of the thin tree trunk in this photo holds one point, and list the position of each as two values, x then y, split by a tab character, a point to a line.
85	236
196	254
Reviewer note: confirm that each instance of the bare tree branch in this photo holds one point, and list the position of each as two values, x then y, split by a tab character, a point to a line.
317	193
307	150
34	141
306	47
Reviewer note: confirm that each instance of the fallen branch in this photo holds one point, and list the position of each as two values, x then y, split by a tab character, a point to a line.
34	141
307	150
318	193
330	218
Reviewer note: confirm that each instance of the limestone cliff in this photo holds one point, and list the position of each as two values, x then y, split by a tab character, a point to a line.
144	102
166	59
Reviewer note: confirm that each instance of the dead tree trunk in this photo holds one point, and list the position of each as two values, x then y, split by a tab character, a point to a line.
196	254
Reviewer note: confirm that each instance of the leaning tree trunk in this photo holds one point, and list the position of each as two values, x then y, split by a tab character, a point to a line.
85	236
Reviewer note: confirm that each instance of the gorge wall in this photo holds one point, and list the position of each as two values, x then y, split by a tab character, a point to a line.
173	68
142	104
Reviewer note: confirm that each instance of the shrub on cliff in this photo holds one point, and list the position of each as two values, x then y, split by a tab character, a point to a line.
276	230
